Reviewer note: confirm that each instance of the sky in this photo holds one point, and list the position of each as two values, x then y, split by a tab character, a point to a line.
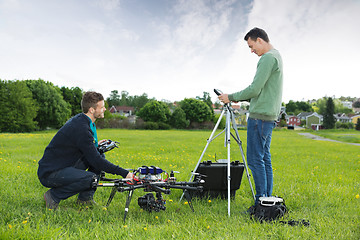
176	49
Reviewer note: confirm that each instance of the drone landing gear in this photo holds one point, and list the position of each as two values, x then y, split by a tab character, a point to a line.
127	204
188	198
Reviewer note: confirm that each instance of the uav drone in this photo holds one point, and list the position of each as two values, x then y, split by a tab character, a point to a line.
150	179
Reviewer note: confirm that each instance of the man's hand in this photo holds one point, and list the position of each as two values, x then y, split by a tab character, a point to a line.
130	176
101	141
224	98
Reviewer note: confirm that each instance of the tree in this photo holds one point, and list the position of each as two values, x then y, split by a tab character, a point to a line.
303	106
124	100
207	99
54	111
338	106
291	107
356	104
283	120
298	107
155	111
196	110
217	104
139	101
321	105
114	99
178	119
17	106
357	127
329	119
73	96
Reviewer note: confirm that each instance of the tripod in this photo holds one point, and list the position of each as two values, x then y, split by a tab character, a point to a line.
230	120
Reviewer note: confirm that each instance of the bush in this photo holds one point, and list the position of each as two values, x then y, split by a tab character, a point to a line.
155	111
156	126
139	124
196	110
113	121
178	119
151	125
222	122
282	123
341	125
202	125
164	126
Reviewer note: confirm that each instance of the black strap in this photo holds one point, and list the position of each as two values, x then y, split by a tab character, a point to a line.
303	222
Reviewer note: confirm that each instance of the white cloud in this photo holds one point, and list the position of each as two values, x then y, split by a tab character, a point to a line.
314	39
108	5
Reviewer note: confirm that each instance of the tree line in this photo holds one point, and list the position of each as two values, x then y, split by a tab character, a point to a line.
318	106
188	113
31	105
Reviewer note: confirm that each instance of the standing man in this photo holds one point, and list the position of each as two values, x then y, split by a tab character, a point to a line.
71	152
264	93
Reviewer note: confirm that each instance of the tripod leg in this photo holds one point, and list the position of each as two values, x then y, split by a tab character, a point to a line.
227	141
247	172
128	200
237	139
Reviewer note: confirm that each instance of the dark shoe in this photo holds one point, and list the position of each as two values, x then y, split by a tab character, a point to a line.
88	203
50	202
251	210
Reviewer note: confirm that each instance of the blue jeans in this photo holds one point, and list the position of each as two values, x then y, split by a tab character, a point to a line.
69	181
259	157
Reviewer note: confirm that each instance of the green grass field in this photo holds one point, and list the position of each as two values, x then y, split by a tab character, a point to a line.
319	181
344	135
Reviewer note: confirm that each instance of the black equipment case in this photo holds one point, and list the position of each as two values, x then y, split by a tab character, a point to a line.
216	184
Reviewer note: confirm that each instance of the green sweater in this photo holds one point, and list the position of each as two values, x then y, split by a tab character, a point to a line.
265	92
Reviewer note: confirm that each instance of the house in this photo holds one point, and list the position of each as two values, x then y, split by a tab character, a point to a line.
311	118
236	107
233	106
341	117
347	104
303	115
122	110
293	121
317	127
355	118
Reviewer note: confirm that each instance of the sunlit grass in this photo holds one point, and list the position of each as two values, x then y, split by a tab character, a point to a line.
319	181
344	135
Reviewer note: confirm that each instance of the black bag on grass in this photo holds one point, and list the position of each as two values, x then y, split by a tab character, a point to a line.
269	209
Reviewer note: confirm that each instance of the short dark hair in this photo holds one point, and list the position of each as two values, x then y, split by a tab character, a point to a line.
257	33
90	99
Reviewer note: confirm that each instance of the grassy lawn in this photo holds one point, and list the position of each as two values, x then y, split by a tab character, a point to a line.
344	135
319	181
